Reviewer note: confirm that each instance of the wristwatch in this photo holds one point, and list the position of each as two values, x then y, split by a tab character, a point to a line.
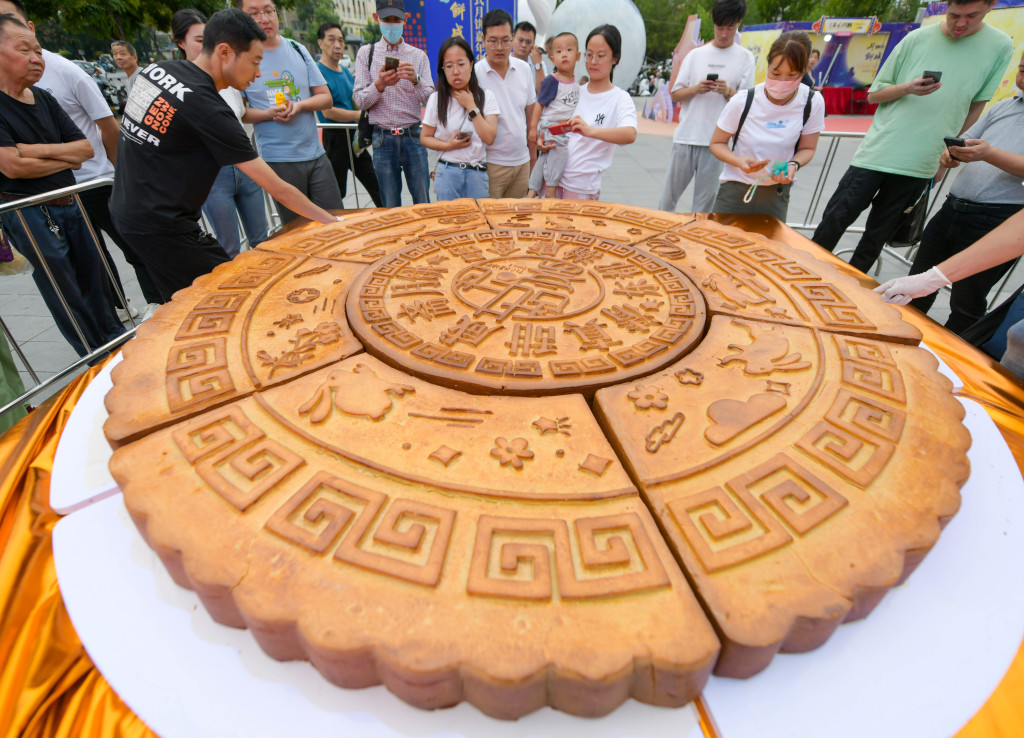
473	113
537	67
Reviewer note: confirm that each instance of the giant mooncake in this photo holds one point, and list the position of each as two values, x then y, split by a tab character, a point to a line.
529	453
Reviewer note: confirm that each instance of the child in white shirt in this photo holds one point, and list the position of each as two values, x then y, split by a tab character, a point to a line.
559	93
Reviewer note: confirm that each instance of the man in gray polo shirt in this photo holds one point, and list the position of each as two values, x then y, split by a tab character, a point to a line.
985	193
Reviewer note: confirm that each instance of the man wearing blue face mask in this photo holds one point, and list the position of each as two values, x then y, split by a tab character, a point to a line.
393	83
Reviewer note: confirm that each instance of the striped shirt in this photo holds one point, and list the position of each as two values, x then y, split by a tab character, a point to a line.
400	105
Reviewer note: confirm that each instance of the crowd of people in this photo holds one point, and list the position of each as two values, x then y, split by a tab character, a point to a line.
236	117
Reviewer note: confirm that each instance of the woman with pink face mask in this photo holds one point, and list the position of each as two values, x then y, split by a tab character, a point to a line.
774	129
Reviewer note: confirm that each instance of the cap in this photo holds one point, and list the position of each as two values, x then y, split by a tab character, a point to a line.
390	9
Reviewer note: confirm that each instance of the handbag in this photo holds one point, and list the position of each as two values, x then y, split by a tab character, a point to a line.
365	128
910	227
11	261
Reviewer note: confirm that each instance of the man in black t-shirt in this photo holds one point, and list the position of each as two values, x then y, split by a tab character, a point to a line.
176	134
39	148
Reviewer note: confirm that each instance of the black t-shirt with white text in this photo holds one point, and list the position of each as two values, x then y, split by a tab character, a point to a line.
44	122
176	134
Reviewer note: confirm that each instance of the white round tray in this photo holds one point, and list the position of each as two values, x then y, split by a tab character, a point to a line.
921	664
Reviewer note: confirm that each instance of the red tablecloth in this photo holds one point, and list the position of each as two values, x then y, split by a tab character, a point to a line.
838	100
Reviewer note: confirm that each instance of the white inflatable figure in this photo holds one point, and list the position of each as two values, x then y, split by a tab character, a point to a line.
582	16
542	11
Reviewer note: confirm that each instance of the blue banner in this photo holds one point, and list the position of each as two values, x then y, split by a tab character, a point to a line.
415	32
445	18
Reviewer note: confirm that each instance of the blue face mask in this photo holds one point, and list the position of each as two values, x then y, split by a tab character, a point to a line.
391	32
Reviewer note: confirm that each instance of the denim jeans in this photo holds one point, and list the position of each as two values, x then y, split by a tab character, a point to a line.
1013	357
391	155
77	270
451	182
998	345
234	192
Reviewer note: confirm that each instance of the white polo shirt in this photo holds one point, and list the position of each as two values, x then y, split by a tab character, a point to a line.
82	100
514	93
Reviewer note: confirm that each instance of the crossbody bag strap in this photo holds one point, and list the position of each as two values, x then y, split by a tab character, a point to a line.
807	117
743	116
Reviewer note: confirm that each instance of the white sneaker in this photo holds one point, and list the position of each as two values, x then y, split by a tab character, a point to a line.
148	312
122	314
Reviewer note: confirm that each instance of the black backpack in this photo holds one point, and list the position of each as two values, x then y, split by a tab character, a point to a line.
746	109
365	127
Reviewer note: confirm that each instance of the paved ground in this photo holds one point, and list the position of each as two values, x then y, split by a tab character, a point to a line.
635	178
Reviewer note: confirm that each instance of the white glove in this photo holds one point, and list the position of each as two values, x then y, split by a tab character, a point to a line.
902	290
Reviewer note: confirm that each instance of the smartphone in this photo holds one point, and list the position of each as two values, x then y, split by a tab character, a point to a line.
952	141
559	128
391	62
713	76
933	76
462	135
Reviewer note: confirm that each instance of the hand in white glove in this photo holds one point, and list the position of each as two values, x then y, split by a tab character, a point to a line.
902	290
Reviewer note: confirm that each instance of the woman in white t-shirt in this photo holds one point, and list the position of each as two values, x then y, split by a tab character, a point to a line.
454	124
778	136
605	117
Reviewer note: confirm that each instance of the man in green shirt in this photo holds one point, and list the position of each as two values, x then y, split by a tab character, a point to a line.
900	153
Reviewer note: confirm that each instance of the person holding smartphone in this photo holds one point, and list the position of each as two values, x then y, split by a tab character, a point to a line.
986	192
393	82
917	107
460	119
708	78
605	118
774	130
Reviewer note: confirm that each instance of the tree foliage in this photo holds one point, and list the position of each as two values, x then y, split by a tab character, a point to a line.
371	33
107	20
666	19
313	13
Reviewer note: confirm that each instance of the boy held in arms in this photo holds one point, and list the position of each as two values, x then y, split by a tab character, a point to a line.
559	93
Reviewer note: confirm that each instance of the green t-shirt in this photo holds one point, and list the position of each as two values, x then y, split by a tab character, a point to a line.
906	134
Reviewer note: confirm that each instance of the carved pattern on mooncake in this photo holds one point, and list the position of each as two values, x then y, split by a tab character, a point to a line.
405	539
458	515
234	457
755	513
747	276
522	558
531	322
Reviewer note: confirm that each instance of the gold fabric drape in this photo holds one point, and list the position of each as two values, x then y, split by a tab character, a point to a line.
49	687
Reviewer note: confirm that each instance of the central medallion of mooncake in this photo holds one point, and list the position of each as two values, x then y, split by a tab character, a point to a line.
526	311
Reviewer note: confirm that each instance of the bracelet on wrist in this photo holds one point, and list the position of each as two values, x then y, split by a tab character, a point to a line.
794	161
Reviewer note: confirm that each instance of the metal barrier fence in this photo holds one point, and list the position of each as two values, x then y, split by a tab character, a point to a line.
95	352
808	224
273	217
936	195
351	156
